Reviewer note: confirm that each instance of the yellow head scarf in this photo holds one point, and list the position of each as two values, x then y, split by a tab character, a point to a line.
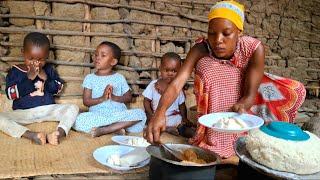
230	10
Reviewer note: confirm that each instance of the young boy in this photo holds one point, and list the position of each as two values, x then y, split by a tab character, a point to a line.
177	113
32	86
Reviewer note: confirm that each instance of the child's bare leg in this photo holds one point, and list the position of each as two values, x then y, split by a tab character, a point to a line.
38	138
96	132
53	138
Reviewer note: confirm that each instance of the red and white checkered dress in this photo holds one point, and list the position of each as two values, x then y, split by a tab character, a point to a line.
219	85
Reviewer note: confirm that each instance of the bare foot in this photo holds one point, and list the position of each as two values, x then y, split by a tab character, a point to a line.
186	131
117	128
172	130
95	132
231	160
39	138
121	132
53	138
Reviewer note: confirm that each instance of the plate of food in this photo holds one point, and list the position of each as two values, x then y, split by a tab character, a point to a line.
231	122
121	158
133	141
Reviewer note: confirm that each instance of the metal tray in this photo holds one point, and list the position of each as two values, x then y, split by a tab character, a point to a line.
243	154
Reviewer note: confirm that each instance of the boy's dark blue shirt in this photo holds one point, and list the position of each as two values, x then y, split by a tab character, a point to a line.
21	90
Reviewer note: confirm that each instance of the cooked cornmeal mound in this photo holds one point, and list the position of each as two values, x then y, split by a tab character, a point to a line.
300	157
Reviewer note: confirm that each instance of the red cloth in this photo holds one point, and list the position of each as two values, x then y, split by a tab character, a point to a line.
219	85
278	99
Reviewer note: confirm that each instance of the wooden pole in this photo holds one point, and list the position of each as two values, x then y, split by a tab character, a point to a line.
12	30
133	53
87	28
117	6
90	50
127	21
144	82
195	18
177	1
189	7
67	63
113	6
156	49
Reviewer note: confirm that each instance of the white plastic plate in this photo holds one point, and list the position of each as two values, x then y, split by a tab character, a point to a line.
123	140
103	153
252	121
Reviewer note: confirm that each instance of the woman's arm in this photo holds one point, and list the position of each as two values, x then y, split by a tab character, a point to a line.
157	123
253	79
126	98
148	109
89	101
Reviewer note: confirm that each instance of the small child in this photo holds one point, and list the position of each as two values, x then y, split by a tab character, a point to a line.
177	113
32	86
105	92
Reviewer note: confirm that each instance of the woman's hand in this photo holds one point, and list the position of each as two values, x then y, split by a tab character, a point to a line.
155	127
243	105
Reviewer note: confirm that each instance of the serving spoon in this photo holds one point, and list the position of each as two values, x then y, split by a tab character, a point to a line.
177	154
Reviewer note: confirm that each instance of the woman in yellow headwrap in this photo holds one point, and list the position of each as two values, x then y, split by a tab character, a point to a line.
229	76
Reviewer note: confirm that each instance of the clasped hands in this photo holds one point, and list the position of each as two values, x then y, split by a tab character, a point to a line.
34	70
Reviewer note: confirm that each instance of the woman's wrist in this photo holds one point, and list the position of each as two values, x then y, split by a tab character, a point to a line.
149	116
248	101
161	110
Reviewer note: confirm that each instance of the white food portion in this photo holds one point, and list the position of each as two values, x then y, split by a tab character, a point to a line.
137	142
230	123
130	159
300	157
114	160
134	157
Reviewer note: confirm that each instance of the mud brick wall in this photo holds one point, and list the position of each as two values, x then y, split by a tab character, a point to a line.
145	29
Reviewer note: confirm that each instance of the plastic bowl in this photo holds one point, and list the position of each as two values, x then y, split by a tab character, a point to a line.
284	130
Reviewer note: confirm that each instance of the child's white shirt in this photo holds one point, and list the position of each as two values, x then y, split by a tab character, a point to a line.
151	93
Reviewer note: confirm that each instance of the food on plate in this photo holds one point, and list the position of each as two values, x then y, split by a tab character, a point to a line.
192	158
230	123
137	142
300	157
114	160
134	157
130	159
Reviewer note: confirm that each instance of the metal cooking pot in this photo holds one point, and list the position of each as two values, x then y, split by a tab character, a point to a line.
163	166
